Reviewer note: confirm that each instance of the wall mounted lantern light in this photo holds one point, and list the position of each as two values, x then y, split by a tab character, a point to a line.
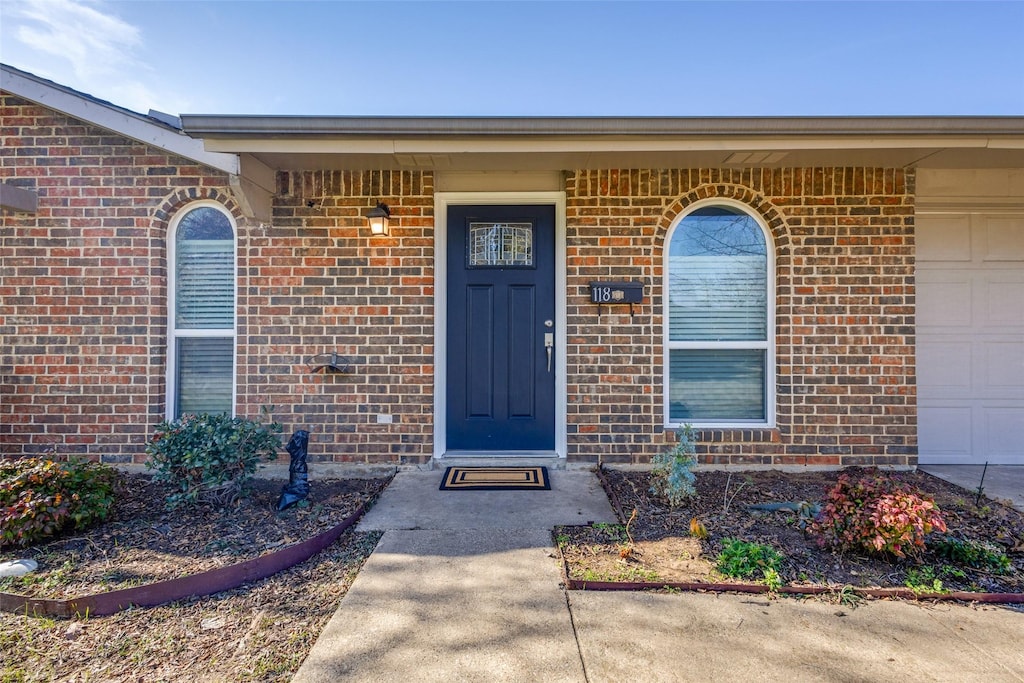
378	218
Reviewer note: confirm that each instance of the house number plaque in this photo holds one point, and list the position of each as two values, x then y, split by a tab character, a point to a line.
610	293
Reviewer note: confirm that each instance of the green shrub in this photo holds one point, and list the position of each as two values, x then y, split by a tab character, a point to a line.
672	474
971	553
40	498
877	515
745	560
210	458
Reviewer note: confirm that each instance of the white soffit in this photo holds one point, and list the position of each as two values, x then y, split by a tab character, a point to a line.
462	152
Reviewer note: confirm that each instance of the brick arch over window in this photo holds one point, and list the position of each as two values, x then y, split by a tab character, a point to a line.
175	201
745	195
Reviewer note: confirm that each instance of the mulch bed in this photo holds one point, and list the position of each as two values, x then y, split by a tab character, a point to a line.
142	542
663	549
259	631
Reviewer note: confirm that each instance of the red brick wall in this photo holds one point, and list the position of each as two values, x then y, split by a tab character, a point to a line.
844	257
83	308
84	287
317	282
83	284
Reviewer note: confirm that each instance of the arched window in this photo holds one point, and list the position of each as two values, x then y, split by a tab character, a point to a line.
201	343
719	327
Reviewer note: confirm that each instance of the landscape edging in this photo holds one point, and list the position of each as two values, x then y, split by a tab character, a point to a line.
899	593
192	586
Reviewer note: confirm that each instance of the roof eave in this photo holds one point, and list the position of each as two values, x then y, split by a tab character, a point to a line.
116	119
226	126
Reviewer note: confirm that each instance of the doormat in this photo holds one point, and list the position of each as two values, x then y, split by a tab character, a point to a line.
496	479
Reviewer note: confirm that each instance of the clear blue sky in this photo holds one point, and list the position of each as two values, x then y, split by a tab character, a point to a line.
528	58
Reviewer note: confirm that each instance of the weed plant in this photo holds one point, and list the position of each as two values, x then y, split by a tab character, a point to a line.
746	560
968	553
924	580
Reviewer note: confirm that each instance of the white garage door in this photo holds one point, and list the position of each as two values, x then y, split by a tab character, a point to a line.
970	338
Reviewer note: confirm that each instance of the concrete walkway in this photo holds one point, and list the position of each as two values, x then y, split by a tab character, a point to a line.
466	586
1001	482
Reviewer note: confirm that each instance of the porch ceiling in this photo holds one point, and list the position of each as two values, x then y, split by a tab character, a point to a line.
549	144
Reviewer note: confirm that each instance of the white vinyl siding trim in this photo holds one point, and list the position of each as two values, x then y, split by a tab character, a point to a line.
201	319
719	333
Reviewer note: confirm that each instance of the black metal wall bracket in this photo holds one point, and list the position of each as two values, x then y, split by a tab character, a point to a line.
329	362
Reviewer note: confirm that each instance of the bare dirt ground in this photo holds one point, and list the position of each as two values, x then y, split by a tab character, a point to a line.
663	549
260	631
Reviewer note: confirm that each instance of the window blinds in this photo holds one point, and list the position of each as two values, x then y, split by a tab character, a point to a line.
717	385
717	298
204	283
204	375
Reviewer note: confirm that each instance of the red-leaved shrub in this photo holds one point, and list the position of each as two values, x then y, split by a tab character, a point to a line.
41	498
876	514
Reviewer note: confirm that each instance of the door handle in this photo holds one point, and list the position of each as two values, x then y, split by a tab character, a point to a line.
549	346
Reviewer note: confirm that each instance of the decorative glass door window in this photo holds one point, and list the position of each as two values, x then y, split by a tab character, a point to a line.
500	245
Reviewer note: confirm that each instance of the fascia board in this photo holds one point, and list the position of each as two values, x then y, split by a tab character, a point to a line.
381	127
114	120
477	146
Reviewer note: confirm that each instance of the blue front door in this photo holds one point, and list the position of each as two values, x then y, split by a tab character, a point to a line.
501	318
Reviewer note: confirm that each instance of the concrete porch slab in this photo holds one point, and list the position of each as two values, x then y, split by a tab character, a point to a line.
413	501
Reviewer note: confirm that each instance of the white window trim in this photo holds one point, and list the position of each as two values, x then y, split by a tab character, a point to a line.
172	332
768	345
